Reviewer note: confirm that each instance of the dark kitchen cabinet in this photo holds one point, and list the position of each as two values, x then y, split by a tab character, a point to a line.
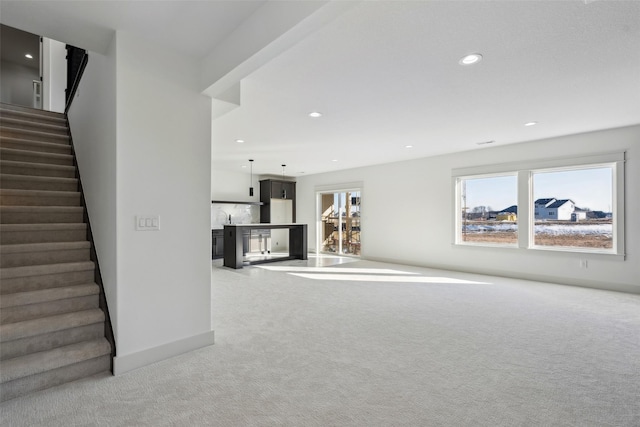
217	244
276	189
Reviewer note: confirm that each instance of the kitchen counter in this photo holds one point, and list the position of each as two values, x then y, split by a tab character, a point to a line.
233	244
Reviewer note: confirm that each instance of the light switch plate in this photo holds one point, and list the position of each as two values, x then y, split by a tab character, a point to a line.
147	222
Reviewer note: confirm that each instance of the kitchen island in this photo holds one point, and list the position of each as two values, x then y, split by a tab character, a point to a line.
233	246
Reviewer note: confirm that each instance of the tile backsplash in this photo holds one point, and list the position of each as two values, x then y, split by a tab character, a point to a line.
240	214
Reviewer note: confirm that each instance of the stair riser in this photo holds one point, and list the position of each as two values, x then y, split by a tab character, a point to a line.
18	144
26	385
38	171
40	218
45	281
43	257
34	136
43	119
27	184
8	108
49	308
44	342
20	124
42	236
20	200
33	157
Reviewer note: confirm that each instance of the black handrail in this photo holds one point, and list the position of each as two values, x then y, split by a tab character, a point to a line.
76	62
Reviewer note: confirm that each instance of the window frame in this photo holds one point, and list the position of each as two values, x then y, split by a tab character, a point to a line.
526	207
458	209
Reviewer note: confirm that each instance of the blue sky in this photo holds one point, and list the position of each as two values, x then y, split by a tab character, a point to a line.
588	188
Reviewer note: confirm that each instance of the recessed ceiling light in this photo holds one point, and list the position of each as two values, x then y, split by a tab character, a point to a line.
28	56
334	160
243	166
240	141
408	146
471	59
485	142
531	123
315	114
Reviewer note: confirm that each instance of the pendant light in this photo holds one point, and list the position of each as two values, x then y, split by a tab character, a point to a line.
251	179
284	190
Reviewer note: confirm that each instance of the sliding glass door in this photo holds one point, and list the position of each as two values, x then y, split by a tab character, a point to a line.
340	222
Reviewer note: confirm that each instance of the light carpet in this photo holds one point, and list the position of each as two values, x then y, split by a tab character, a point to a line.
331	343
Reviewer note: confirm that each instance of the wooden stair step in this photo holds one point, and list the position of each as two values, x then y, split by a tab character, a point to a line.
29	145
41	214
26	374
37	169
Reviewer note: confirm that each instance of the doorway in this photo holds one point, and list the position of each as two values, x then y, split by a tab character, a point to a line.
340	230
20	68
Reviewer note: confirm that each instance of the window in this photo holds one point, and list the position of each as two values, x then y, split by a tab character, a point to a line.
489	209
579	205
565	204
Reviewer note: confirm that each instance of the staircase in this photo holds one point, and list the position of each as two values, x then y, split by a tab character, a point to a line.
52	330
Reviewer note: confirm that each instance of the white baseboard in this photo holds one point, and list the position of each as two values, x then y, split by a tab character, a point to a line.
129	362
608	286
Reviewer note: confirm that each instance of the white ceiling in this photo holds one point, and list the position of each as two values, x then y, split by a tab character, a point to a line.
386	74
15	44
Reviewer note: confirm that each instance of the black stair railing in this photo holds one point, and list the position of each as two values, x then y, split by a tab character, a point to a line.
76	62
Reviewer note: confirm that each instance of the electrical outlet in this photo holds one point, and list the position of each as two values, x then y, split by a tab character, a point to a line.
584	263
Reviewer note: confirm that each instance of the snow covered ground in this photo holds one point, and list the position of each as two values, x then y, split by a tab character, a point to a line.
554	229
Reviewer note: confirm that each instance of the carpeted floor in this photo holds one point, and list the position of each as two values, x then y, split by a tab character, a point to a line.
332	343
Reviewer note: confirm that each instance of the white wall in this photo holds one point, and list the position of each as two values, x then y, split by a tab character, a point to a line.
143	136
92	118
54	75
17	83
407	213
226	185
163	168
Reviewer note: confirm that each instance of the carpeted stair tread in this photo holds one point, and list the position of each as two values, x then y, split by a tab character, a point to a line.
32	117
19	123
45	325
37	363
38	247
39	270
11	108
40	214
24	254
47	295
37	146
38	183
35	135
51	327
19	197
29	156
42	233
39	169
